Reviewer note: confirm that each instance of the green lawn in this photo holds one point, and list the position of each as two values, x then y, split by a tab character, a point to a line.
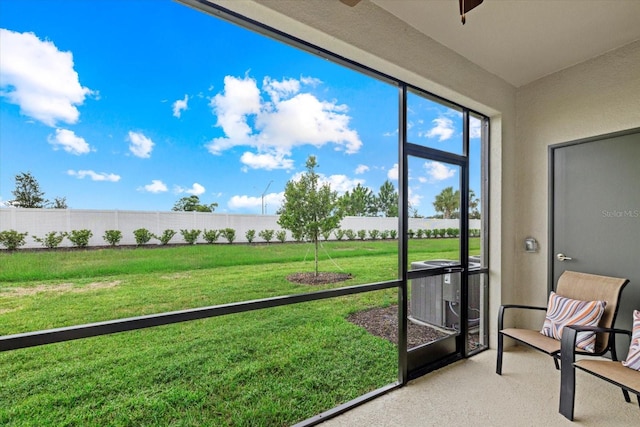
266	367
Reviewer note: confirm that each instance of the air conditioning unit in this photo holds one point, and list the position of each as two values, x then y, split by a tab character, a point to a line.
435	300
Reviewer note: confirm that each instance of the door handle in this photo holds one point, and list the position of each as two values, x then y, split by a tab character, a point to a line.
562	257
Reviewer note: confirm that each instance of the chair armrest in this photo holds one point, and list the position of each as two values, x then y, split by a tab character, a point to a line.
572	331
580	328
503	309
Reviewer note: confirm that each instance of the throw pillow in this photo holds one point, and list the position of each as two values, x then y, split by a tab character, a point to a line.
633	357
566	311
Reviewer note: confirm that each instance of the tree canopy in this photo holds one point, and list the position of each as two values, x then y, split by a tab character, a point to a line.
387	200
192	203
361	201
29	195
358	202
447	202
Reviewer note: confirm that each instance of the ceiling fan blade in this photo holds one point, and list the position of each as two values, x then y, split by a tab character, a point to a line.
350	2
467	5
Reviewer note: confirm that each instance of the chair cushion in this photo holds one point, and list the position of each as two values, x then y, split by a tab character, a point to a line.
633	357
563	311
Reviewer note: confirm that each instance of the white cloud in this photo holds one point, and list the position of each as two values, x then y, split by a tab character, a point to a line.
196	189
341	183
272	202
414	198
443	129
278	89
39	78
475	128
69	142
180	105
140	145
361	169
393	172
95	176
437	171
156	186
240	99
310	81
266	161
290	118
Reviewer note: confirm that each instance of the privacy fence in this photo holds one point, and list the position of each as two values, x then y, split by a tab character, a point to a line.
39	222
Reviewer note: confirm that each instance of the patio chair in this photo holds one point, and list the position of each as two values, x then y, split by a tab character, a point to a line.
611	371
576	286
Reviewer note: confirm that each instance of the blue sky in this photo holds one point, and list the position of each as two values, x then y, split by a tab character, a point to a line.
132	105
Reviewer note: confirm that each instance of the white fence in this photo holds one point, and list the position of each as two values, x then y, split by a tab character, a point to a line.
39	222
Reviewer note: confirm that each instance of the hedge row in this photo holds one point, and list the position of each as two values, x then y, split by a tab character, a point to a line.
12	239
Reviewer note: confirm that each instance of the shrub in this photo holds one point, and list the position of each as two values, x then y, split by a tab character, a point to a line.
281	235
362	234
80	238
427	233
167	235
453	232
393	234
420	233
250	235
374	234
442	232
384	234
339	233
190	236
411	233
211	236
326	235
51	240
266	235
112	237
12	240
351	235
142	236
229	234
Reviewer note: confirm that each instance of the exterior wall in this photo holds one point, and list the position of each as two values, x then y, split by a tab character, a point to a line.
39	222
593	98
372	37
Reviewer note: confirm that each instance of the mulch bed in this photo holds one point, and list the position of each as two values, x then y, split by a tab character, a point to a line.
321	279
379	321
383	322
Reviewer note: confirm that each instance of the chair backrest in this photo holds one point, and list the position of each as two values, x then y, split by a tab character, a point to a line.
592	287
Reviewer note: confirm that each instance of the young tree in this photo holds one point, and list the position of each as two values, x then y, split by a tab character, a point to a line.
192	203
309	209
447	202
387	200
27	193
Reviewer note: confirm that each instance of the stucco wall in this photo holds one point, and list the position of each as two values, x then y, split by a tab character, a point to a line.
593	98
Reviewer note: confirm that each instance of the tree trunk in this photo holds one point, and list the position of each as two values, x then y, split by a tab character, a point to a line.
316	253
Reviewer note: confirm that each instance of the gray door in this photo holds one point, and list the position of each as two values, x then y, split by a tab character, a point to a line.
595	212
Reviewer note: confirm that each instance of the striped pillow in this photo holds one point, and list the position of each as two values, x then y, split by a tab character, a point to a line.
565	311
633	358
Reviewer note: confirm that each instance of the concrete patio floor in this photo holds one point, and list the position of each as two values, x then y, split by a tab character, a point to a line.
470	393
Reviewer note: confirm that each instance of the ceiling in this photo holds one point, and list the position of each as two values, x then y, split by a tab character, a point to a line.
524	40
